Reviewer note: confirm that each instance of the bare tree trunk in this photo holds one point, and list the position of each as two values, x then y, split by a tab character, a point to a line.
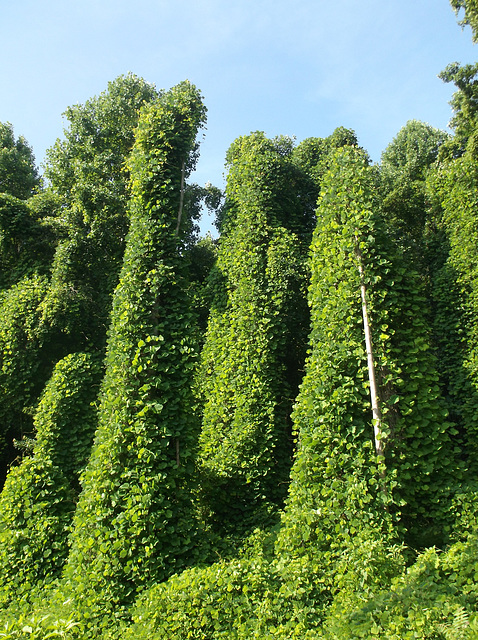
376	413
181	200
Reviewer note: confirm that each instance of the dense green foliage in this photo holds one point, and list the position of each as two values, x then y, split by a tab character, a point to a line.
86	171
74	232
313	155
27	239
18	173
333	413
39	497
134	523
435	598
255	338
272	435
454	188
22	372
403	168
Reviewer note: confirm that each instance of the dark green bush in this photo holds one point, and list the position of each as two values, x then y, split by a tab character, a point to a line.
23	370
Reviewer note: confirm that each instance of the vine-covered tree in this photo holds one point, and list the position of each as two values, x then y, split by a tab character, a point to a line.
336	494
313	154
27	237
135	523
403	169
255	340
26	242
342	482
86	170
88	185
39	496
24	363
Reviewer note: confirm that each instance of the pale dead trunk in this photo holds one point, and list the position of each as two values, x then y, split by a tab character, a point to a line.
374	397
181	200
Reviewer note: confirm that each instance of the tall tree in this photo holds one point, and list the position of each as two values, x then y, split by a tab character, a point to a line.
18	173
257	331
27	236
24	365
86	170
88	184
339	484
403	169
134	523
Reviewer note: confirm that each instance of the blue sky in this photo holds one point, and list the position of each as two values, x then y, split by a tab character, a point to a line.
296	68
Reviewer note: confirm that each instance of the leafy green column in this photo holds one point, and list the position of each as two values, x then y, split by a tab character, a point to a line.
454	187
336	501
135	523
337	498
39	496
256	335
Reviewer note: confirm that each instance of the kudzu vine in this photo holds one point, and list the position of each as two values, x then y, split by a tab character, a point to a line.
135	523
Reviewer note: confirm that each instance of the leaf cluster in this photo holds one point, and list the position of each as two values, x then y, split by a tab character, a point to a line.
18	173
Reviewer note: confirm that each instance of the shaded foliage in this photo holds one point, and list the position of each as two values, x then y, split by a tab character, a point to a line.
85	209
454	290
403	169
39	496
27	239
24	365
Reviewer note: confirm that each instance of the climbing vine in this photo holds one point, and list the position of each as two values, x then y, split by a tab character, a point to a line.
134	523
40	494
255	339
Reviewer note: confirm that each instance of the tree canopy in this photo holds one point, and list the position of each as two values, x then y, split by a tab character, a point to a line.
18	174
